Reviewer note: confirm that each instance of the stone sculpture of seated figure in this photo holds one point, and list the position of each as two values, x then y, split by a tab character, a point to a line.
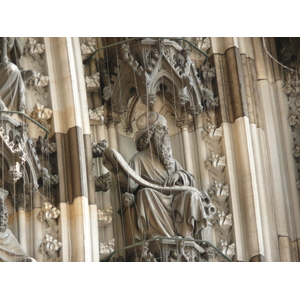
159	198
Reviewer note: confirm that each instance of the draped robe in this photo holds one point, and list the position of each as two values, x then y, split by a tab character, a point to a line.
156	213
12	88
10	249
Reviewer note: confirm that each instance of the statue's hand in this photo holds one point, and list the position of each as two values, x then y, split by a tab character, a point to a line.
173	180
180	178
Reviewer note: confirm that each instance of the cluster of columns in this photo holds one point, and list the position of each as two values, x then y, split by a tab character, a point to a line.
258	143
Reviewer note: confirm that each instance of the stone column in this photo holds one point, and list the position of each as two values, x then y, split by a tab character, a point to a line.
72	133
37	227
183	125
285	196
21	216
113	193
240	118
106	233
202	154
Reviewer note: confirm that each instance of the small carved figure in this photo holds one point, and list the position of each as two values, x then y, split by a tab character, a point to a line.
102	183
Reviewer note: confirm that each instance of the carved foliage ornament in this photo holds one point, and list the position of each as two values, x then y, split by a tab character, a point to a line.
42	115
105	216
93	82
105	249
35	49
219	190
50	243
292	89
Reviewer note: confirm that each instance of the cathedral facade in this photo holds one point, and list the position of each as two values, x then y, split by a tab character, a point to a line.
149	149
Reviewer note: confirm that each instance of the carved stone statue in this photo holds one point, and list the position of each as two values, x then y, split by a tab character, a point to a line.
10	249
12	87
159	198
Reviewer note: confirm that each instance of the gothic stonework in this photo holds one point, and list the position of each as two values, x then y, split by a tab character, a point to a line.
220	184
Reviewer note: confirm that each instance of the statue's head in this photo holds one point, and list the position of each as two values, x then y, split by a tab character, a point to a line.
146	125
153	126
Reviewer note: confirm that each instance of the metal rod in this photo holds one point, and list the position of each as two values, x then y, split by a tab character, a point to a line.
170	238
27	117
87	60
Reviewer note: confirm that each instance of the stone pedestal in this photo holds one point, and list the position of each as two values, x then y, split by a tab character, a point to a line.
167	250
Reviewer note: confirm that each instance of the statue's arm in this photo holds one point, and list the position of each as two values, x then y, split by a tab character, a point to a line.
112	164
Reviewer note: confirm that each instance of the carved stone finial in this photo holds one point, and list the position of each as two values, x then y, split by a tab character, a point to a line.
125	51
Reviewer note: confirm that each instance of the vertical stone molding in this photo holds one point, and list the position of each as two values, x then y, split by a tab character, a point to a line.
291	88
219	190
3	211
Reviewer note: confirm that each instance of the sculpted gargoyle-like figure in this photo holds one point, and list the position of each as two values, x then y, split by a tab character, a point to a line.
12	79
163	201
